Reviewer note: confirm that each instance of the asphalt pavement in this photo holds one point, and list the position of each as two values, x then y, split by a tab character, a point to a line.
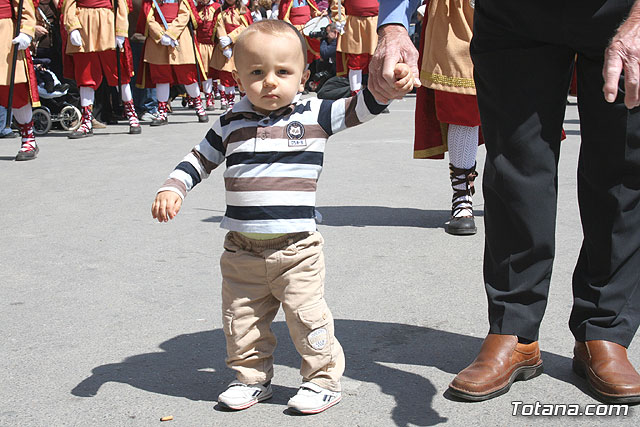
108	318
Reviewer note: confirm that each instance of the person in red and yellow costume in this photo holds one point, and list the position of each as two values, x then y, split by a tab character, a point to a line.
207	9
171	54
447	117
25	92
298	13
233	18
94	30
357	21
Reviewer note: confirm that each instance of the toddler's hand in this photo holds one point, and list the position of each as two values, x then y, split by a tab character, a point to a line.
166	206
404	78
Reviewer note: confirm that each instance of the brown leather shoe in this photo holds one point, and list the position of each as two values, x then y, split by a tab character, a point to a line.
610	375
501	361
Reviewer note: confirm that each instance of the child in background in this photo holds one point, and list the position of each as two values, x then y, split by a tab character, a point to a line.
208	11
232	20
273	144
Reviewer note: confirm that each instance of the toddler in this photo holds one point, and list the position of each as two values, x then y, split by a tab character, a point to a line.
273	145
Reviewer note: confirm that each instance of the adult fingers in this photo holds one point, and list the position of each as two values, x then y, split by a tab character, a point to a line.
410	57
377	84
611	72
631	81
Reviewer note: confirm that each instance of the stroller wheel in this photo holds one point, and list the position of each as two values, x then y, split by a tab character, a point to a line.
41	121
70	118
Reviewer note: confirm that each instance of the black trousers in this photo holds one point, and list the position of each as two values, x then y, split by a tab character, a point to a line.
523	53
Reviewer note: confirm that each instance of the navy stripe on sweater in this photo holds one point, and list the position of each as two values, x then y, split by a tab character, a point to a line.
299	157
249	213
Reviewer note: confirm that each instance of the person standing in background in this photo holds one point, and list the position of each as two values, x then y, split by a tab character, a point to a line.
25	87
170	54
357	40
208	11
93	33
447	117
232	20
298	13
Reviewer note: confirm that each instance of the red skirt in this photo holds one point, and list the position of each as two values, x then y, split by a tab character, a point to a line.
20	96
435	111
183	74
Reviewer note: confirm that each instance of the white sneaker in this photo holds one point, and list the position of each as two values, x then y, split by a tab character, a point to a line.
312	399
148	117
242	396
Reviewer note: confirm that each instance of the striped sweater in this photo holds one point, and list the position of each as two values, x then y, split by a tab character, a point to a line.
273	162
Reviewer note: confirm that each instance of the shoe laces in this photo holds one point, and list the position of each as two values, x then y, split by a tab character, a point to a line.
27	146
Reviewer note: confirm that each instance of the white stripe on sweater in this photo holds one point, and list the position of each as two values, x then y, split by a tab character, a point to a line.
276	170
269	225
271	198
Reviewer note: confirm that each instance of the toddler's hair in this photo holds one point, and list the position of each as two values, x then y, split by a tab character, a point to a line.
274	27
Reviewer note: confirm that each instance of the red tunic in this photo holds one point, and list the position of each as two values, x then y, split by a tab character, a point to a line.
207	29
361	7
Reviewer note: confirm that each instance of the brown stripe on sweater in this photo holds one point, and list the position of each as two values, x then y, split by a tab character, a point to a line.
350	116
176	183
242	134
208	164
310	131
270	184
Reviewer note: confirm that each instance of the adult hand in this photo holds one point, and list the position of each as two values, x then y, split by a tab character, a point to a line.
623	53
340	26
228	52
394	46
120	42
75	38
225	41
23	41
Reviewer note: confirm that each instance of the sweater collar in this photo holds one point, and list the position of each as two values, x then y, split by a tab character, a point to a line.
245	107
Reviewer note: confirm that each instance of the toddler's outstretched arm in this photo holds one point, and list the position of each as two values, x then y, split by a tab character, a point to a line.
166	205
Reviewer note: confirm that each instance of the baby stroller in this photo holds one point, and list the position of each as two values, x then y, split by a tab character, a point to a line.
57	104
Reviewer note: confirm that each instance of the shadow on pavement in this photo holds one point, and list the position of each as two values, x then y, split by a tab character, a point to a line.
378	216
192	365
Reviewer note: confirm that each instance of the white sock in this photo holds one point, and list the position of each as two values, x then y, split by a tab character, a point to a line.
87	95
162	92
207	86
23	114
355	80
463	146
229	89
193	90
126	92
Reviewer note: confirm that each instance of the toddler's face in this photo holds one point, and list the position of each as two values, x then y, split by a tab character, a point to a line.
270	69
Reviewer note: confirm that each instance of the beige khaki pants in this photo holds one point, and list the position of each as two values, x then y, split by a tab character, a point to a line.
258	276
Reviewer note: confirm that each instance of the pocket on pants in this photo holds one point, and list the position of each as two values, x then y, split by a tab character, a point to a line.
317	319
227	324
